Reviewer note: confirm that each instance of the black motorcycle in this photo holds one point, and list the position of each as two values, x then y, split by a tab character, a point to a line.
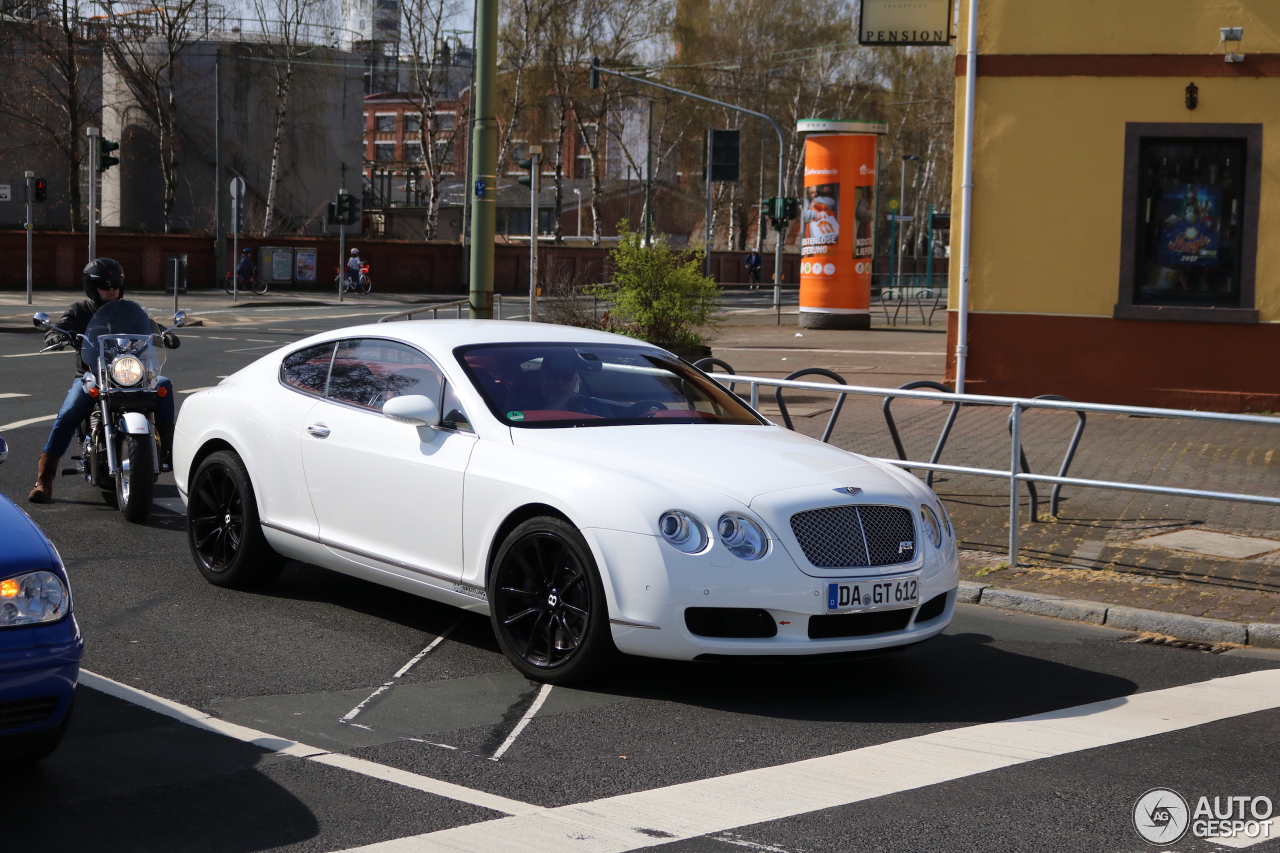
119	452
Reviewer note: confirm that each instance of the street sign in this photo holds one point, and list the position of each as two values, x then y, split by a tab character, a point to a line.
479	189
893	204
906	218
6	193
893	22
237	188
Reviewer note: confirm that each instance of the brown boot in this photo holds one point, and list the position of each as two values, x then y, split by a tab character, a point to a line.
43	492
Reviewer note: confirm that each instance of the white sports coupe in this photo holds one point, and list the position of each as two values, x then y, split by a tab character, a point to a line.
587	491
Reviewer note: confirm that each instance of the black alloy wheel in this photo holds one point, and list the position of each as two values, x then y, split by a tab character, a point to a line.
223	529
547	603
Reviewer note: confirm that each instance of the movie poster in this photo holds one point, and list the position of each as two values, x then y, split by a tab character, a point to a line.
1190	217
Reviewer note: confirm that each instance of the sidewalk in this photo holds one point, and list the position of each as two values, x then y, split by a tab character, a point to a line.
1095	549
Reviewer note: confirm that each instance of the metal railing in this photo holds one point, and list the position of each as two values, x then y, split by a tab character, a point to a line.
457	304
1016	474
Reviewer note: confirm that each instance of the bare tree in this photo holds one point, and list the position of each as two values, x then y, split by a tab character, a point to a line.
145	44
288	29
53	92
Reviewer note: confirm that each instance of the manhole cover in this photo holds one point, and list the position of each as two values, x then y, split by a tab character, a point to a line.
1212	544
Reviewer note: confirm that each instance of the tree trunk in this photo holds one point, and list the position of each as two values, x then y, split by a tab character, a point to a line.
273	176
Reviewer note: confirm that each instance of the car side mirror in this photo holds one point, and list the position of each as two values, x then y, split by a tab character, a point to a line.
412	409
40	320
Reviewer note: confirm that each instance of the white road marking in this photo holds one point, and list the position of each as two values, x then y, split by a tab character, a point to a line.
27	422
694	809
261	341
212	338
194	390
284	746
12	394
524	721
26	354
845	351
355	712
1266	833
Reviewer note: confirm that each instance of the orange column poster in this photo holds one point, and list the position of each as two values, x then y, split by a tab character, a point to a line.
836	231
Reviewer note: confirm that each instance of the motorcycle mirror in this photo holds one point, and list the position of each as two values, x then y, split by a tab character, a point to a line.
40	320
4	450
179	318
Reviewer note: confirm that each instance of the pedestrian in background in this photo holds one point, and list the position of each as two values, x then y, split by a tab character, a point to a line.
754	262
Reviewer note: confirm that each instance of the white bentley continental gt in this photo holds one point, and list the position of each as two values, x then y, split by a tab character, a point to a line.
588	492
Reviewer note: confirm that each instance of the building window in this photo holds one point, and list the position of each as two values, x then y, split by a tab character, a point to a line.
446	121
412	122
385	122
384	151
444	151
1190	231
413	152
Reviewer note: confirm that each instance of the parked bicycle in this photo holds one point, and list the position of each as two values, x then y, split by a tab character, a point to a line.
257	285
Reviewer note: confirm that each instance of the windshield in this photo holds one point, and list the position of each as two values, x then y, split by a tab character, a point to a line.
120	317
569	385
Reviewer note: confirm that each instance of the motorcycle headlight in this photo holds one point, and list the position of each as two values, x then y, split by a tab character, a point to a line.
684	531
33	598
127	371
931	526
742	536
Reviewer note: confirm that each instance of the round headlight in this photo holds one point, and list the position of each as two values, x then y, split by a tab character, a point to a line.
742	536
33	598
127	371
931	526
946	518
683	531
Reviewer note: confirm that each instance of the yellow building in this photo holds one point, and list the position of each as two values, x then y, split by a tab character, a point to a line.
1126	219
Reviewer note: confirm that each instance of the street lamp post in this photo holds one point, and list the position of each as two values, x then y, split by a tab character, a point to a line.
902	184
578	193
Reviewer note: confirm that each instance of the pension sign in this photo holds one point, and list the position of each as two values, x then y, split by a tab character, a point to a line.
905	22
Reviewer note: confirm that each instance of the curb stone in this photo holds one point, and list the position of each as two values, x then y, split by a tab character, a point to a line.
1191	628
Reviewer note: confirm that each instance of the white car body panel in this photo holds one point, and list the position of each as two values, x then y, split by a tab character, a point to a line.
377	501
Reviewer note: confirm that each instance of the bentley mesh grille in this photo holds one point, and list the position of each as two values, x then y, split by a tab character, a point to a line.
849	536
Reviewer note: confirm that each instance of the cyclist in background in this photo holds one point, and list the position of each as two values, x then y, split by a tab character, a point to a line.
246	269
353	270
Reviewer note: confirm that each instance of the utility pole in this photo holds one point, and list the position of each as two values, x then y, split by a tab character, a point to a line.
342	244
94	153
31	190
902	184
535	154
648	181
484	161
220	205
706	264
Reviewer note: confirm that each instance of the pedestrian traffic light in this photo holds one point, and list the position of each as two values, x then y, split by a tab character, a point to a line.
346	210
724	154
105	147
527	179
791	208
39	190
331	217
595	72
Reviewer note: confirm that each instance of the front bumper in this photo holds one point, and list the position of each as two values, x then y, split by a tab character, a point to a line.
651	585
39	667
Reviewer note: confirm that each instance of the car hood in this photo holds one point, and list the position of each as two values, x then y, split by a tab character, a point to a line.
25	547
742	462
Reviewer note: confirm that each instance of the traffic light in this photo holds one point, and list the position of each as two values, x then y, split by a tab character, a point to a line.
346	211
39	190
791	208
595	72
332	217
105	147
724	154
525	180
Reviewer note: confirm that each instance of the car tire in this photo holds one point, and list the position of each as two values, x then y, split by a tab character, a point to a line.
223	529
547	603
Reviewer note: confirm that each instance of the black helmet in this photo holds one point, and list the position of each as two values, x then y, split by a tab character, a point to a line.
102	273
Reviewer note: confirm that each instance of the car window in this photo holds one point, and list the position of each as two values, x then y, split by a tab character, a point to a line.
453	415
307	369
565	384
368	371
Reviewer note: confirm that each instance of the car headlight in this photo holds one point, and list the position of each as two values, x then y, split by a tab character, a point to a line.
33	598
127	371
931	525
742	536
946	518
684	531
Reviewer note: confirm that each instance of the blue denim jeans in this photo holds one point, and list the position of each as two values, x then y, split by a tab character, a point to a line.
79	404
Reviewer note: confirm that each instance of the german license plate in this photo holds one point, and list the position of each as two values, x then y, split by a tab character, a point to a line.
864	595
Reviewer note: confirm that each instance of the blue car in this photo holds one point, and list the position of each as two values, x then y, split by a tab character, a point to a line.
40	643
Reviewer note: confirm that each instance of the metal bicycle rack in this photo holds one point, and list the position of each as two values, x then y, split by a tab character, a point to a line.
893	296
946	428
835	413
716	362
1062	471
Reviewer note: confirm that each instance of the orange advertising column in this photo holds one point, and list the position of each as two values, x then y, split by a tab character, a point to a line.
837	225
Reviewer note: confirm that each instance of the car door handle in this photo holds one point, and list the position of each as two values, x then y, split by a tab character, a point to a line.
318	430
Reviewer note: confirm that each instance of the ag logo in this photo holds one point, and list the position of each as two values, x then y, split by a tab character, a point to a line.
1161	816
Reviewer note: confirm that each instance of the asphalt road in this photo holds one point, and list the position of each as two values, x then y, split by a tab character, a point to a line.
291	661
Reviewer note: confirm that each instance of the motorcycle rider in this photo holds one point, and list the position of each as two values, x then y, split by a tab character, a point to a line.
103	282
353	270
